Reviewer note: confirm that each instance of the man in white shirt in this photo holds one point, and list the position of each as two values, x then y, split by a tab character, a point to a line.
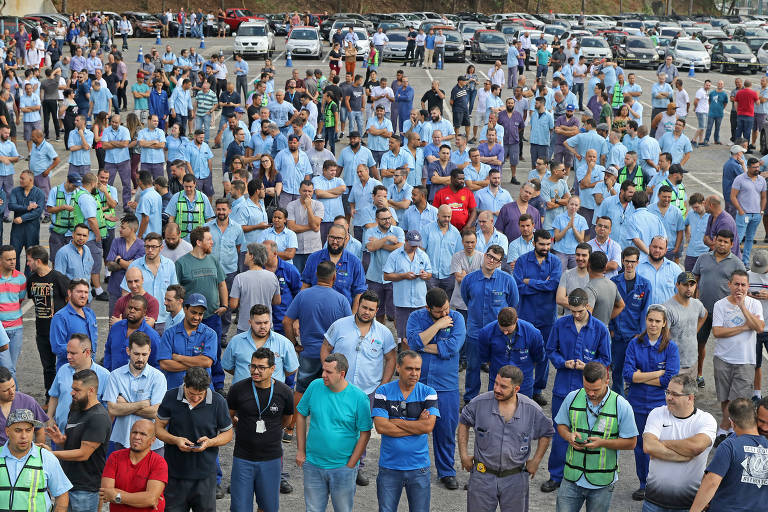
736	320
496	75
681	99
384	96
701	107
379	40
678	438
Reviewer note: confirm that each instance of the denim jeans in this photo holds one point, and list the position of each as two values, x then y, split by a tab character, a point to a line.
746	226
390	483
263	478
8	358
204	122
570	498
744	126
320	483
650	507
716	122
578	89
357	118
83	501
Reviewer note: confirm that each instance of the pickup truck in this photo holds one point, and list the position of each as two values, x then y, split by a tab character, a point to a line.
234	17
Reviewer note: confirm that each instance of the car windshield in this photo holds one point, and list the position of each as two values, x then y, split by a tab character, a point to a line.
756	42
253	30
691	46
362	35
639	43
593	42
556	30
396	37
491	39
452	37
145	17
470	29
303	34
737	48
509	29
243	12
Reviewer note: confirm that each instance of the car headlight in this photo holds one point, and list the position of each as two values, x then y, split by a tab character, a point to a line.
752	59
631	55
730	59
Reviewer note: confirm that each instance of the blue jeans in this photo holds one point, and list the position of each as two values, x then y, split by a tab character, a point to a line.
83	501
471	95
650	507
8	358
320	483
217	373
299	261
541	71
744	126
716	122
357	118
570	498
578	89
204	122
746	226
389	487
262	477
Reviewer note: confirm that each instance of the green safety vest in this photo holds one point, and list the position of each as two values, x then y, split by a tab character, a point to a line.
29	491
638	180
618	96
375	60
678	198
78	213
102	199
62	221
598	466
182	213
330	120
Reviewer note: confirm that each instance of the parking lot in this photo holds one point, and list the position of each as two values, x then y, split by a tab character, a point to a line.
704	176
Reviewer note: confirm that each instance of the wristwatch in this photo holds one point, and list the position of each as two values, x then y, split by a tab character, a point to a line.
118	498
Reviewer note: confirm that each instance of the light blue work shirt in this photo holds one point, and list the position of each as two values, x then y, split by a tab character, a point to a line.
378	142
225	244
616	155
73	264
512	55
541	126
631	143
199	158
227	137
280	113
660	88
460	157
440	247
62	389
41	157
587	199
414	177
548	192
89	209
241	69
391	161
237	356
518	247
414	220
486	200
170	209
169	56
648	149
445	127
499	134
181	101
408	293
156	284
673	221
362	197
567	244
379	257
629	88
176	147
581	143
33	100
676	146
148	385
286	239
248	213
81	156
293	172
698	226
662	280
472	174
116	155
56	480
150	205
150	155
101	100
644	225
365	354
497	238
349	160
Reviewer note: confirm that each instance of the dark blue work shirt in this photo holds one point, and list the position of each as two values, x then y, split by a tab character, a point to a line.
524	349
439	371
350	276
537	298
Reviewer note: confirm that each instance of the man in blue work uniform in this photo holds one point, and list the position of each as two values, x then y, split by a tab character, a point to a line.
350	277
537	275
485	292
635	291
437	333
511	340
575	340
75	317
441	241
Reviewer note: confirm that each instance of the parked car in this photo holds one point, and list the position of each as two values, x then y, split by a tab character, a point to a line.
254	38
689	52
144	24
592	47
343	24
467	29
397	45
304	42
488	45
734	56
637	51
454	45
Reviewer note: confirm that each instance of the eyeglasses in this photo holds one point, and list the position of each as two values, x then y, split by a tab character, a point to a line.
256	368
672	393
494	259
153	247
385	218
336	238
631	262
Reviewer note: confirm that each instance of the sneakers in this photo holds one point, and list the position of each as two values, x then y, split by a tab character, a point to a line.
700	381
549	486
219	492
638	495
361	480
285	487
450	482
539	399
102	297
287	436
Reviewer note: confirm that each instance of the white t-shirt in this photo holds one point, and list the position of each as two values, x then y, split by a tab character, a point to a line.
384	102
681	100
674	484
703	106
739	349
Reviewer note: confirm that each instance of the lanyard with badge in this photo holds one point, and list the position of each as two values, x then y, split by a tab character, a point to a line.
261	427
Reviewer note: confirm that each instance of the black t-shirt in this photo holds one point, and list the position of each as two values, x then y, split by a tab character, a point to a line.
91	425
369	85
248	444
253	112
432	99
49	294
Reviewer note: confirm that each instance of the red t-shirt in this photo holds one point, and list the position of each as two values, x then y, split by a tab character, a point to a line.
132	478
460	203
745	102
153	307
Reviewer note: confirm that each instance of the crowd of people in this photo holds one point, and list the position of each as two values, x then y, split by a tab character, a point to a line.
362	282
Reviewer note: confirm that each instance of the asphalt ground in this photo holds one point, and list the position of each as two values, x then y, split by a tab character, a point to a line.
705	168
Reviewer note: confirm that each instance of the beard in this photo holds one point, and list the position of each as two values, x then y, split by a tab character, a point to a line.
336	251
79	405
174	245
354	145
654	259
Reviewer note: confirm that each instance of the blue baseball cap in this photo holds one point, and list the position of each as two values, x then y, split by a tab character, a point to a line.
196	299
570	107
75	179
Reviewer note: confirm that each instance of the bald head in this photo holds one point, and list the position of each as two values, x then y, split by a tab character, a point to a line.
134	279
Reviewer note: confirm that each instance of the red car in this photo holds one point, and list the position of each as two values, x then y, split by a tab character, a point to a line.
234	17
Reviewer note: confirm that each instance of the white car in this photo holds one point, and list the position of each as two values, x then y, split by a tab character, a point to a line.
363	44
304	42
254	38
592	47
689	52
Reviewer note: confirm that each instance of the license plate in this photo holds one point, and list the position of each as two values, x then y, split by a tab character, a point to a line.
742	65
644	61
301	50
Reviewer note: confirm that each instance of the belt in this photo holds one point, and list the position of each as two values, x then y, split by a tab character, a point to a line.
482	468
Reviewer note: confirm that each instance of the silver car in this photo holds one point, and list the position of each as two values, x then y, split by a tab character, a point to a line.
689	52
395	48
304	42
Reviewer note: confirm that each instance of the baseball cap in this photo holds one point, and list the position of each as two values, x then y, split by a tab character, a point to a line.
759	261
677	169
736	148
74	179
688	277
22	416
318	138
354	133
196	299
139	75
570	107
462	77
612	169
239	110
413	238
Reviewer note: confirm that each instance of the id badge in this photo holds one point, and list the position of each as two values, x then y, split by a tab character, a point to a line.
261	427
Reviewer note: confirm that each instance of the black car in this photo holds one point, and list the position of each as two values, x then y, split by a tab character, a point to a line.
734	56
277	24
488	45
636	51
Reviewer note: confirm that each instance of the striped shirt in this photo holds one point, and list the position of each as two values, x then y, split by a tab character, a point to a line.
205	102
12	290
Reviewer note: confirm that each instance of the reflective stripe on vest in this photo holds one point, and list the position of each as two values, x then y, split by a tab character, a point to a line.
62	221
618	96
330	119
599	466
102	198
638	180
29	491
679	196
182	213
